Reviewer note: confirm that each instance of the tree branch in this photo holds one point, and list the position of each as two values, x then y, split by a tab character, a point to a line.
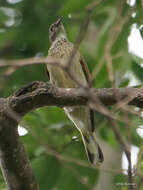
38	94
14	162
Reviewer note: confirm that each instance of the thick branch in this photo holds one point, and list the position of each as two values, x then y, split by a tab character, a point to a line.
14	162
38	94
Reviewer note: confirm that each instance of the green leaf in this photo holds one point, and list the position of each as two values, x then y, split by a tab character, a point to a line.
74	6
121	43
124	82
137	59
103	37
74	177
119	181
47	171
2	182
138	70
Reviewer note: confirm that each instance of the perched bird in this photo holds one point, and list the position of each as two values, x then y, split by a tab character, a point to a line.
81	116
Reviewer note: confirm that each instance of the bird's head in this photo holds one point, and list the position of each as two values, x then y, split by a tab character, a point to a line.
56	30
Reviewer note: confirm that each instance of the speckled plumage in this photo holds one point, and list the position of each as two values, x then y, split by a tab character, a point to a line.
62	49
81	116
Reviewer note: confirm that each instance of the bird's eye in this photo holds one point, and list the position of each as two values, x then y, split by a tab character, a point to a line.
51	29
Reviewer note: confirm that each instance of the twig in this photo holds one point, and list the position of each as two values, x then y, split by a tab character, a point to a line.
28	61
126	149
83	28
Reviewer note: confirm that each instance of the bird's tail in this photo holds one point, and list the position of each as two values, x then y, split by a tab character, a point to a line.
84	121
93	150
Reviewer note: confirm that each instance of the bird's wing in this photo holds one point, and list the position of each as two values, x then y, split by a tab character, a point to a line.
86	71
47	72
89	80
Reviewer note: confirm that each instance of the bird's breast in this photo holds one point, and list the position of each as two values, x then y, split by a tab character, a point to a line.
62	50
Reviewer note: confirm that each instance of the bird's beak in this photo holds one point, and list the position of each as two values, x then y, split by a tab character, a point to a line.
59	22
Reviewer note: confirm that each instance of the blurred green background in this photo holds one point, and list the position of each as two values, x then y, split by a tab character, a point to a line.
53	144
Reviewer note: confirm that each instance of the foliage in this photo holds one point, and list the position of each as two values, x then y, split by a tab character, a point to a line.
24	29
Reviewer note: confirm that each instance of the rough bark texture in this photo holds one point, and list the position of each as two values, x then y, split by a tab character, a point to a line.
38	94
15	165
14	162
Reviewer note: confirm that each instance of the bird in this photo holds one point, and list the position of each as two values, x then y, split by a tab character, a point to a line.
81	116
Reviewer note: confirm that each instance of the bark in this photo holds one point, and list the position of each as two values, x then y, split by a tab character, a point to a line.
14	161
